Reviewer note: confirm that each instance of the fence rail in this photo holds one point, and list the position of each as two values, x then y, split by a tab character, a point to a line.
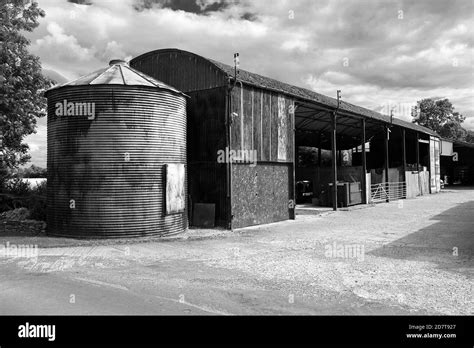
388	191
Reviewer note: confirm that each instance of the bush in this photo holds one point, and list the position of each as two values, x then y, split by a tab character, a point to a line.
17	187
37	207
40	189
4	177
34	204
19	194
19	214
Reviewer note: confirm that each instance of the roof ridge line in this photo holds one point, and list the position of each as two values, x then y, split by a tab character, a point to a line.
103	72
121	74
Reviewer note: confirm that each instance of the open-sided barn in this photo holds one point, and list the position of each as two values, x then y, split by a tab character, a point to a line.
253	114
457	162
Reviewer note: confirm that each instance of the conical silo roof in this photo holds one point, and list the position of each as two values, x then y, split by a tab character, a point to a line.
117	73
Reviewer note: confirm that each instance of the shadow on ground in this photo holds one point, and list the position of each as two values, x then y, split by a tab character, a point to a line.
448	242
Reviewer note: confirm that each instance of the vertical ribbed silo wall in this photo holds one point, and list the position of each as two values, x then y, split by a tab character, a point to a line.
114	194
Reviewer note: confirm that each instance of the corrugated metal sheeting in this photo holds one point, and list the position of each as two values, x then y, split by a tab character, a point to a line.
183	70
106	172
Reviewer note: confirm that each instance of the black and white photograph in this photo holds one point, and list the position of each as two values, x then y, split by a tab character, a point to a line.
227	167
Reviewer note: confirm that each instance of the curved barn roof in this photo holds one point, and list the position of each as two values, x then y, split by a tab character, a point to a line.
299	93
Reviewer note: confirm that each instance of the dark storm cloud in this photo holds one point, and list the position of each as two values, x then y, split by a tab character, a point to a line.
81	2
249	16
191	6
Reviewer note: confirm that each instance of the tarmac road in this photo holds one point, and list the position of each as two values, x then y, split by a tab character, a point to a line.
414	257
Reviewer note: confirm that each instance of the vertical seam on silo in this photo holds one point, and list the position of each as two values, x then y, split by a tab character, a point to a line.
252	120
242	117
271	120
261	125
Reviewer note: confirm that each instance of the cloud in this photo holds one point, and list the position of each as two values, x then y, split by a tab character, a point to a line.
81	2
58	50
373	50
296	44
197	7
61	45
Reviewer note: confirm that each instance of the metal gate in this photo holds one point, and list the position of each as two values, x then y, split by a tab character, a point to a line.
388	191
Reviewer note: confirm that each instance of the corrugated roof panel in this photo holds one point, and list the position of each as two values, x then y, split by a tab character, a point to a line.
117	73
111	76
131	78
83	80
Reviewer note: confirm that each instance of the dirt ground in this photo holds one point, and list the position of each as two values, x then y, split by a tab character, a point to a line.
412	256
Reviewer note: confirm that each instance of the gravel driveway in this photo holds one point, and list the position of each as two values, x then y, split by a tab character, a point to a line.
407	257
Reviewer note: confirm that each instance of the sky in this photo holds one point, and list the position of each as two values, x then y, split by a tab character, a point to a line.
382	54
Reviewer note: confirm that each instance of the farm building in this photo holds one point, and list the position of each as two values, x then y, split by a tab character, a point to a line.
116	156
457	162
255	115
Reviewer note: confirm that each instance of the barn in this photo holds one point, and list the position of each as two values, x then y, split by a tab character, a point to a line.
245	133
457	162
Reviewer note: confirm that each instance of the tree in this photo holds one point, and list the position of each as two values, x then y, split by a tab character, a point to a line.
439	116
453	130
32	172
470	136
21	82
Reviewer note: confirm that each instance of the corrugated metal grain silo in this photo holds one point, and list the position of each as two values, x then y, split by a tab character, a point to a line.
116	156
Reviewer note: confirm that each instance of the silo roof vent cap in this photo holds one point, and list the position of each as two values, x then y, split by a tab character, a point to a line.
117	62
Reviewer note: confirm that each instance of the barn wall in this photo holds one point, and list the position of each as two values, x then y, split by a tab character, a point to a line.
263	122
394	175
206	124
417	183
435	179
260	194
206	135
182	70
413	184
